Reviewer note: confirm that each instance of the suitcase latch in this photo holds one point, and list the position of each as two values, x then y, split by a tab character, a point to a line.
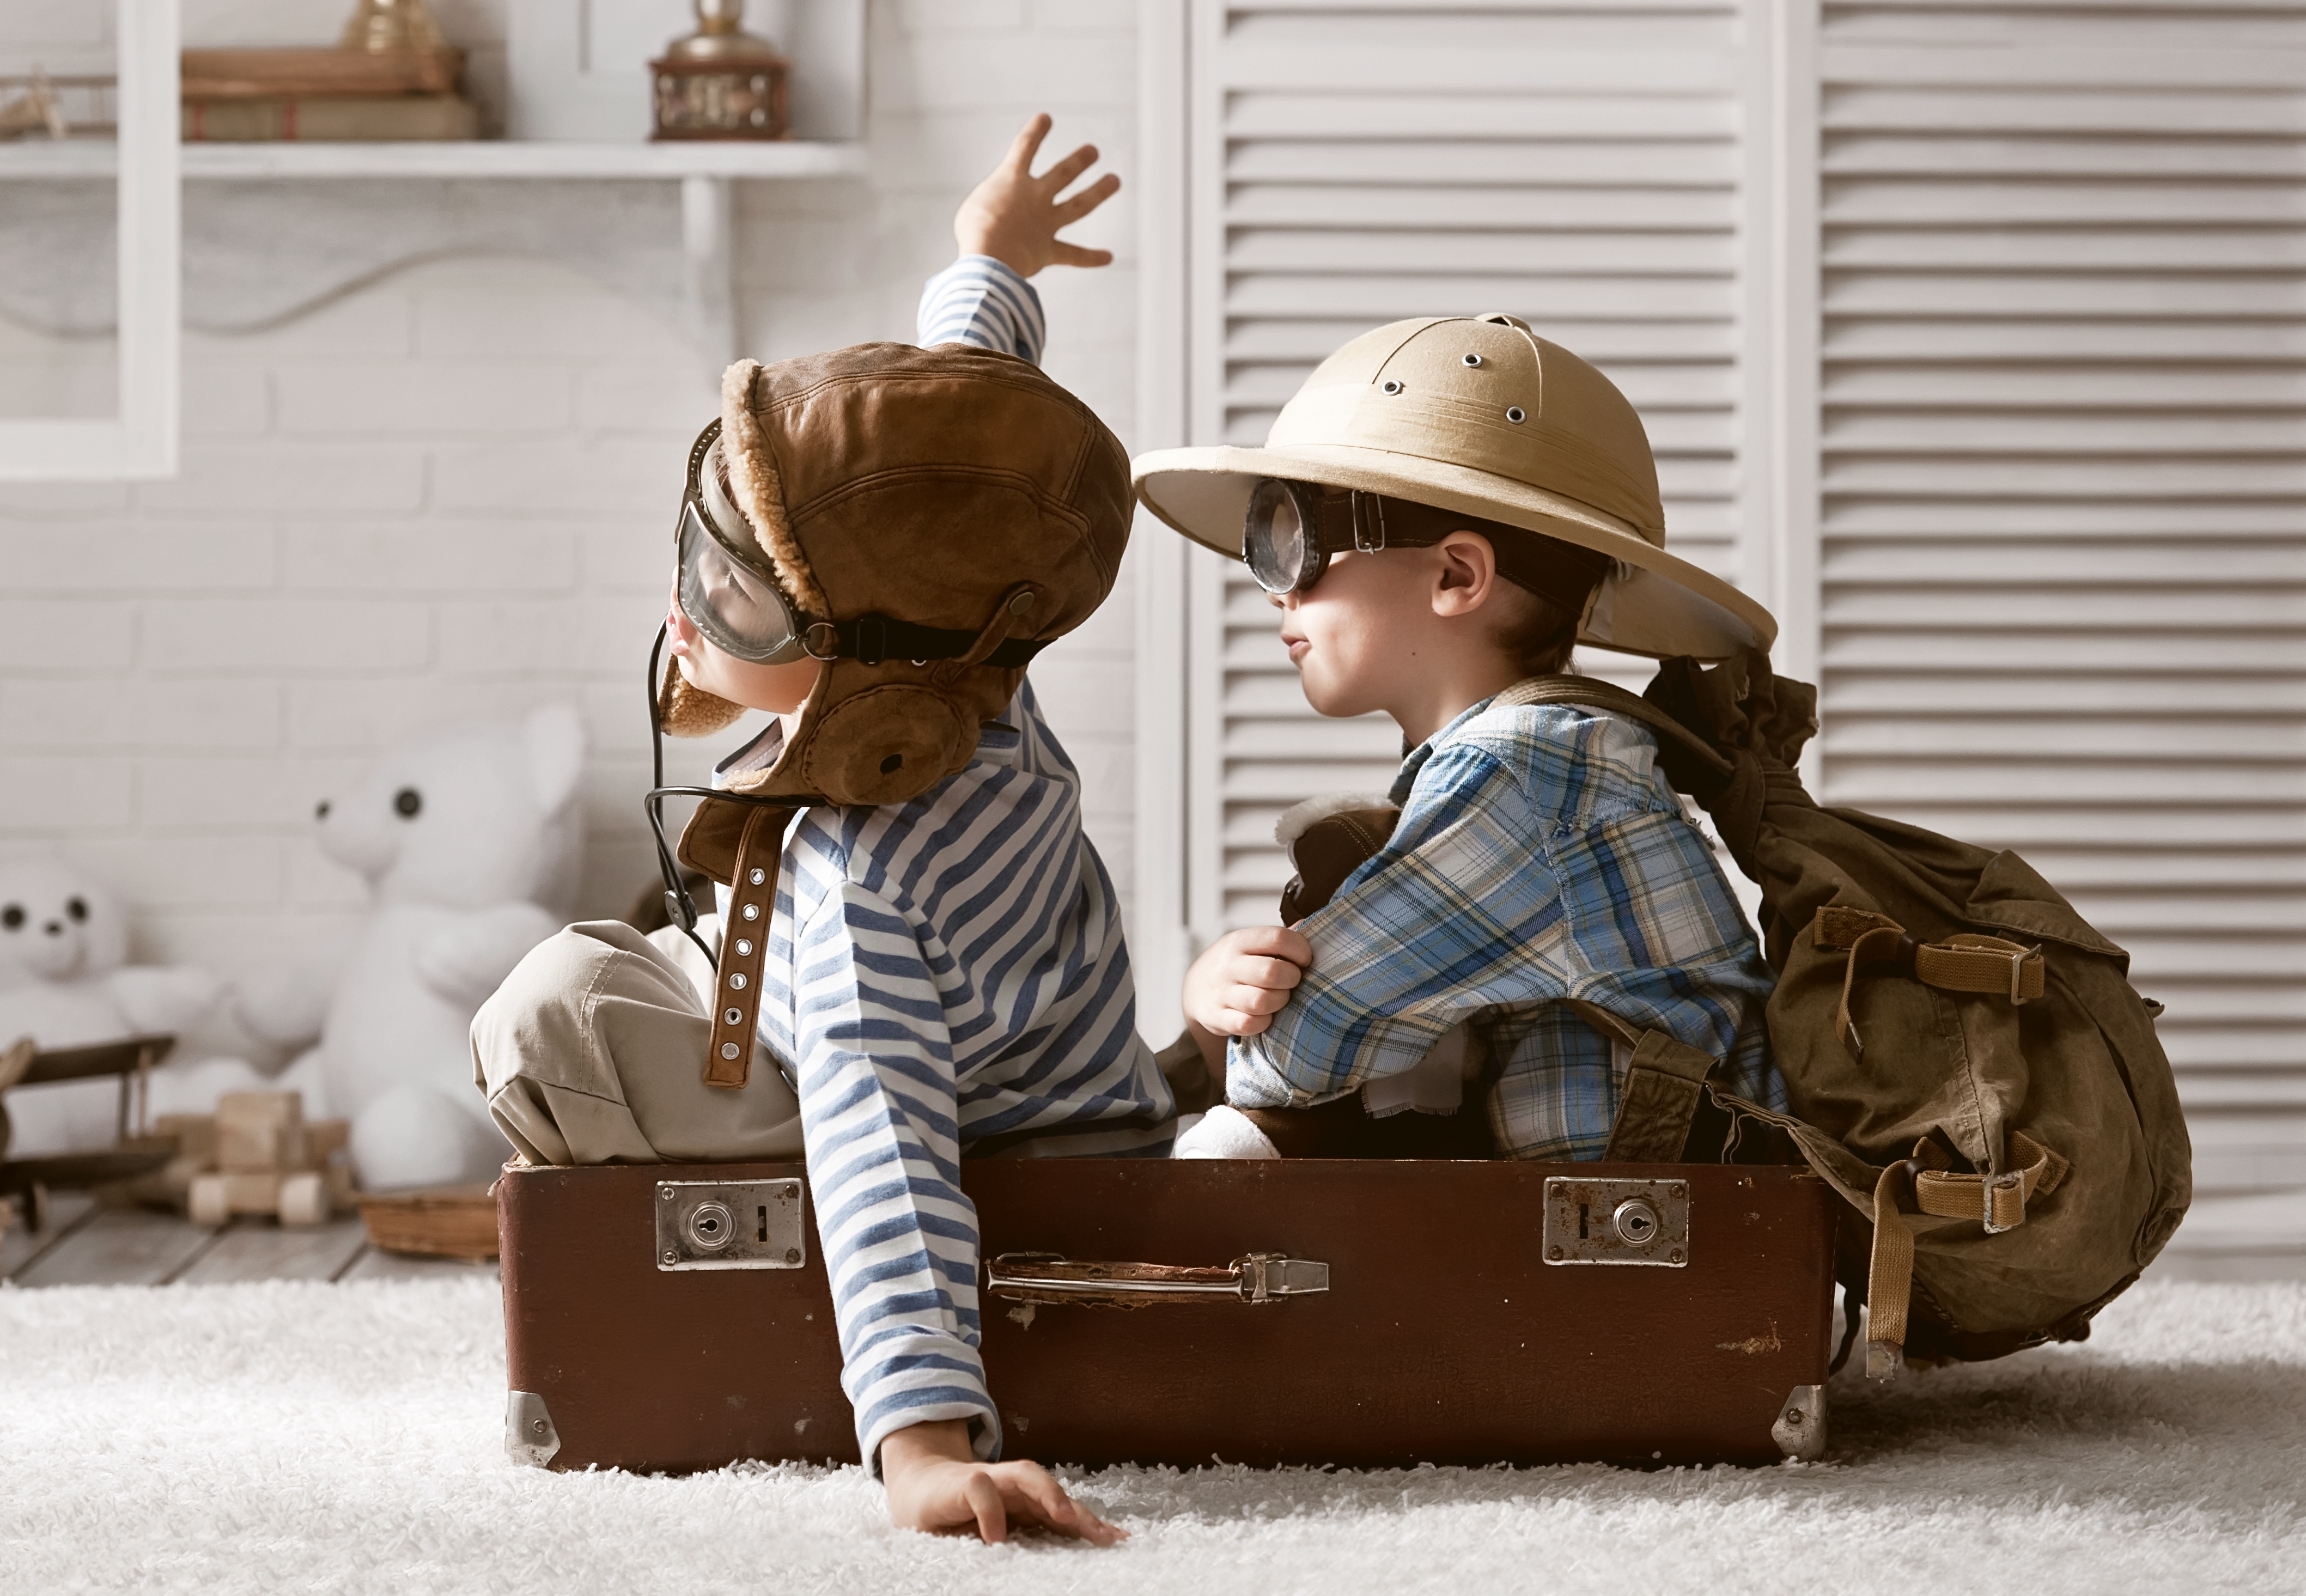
730	1224
1617	1222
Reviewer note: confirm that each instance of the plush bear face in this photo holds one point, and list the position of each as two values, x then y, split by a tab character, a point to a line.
57	924
466	818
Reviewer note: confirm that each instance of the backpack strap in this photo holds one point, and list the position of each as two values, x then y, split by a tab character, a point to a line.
1659	1097
1606	695
1966	961
1923	1183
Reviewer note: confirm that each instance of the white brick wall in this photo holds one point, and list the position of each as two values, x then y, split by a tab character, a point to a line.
446	494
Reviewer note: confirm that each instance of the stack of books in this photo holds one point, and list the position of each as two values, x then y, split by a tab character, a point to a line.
244	96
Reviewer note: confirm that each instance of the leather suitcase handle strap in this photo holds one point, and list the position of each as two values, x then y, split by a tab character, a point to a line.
1922	1183
1048	1277
1966	961
744	939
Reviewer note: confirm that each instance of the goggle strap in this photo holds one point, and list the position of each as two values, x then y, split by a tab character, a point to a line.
1551	567
870	639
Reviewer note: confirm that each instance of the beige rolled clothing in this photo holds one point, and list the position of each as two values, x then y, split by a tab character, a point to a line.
590	1050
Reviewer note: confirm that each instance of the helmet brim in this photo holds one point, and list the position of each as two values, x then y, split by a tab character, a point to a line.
1654	603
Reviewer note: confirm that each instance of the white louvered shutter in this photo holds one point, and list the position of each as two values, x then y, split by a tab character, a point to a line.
1575	165
2064	501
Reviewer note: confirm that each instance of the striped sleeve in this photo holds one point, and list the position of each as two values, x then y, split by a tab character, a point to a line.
880	1120
981	301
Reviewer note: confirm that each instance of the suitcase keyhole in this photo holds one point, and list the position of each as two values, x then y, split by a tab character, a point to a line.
764	1236
1584	1210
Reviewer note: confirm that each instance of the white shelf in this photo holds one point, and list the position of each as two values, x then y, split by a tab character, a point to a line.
56	159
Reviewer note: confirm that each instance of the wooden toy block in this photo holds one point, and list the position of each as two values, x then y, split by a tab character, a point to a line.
258	1132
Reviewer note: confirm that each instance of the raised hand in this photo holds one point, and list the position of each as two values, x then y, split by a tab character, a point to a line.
1014	217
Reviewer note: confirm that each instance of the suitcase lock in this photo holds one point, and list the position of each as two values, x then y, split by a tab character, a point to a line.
730	1224
1617	1222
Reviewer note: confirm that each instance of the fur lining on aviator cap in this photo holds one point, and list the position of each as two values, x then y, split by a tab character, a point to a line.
758	490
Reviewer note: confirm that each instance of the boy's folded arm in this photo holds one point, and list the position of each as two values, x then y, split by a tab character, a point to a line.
1399	950
880	1122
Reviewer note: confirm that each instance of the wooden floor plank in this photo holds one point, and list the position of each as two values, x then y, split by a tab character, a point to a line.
119	1246
261	1250
376	1264
67	1210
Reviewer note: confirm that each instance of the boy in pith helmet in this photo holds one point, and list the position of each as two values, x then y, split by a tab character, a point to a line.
1445	510
919	954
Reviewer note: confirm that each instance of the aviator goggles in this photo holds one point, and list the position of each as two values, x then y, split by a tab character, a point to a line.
726	597
1292	528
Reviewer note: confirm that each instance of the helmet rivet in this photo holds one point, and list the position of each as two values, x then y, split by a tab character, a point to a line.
1391	384
1471	360
1022	604
1514	413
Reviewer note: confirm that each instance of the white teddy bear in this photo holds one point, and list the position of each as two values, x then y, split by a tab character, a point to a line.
464	837
65	981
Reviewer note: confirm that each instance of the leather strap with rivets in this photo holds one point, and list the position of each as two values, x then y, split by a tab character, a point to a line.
744	936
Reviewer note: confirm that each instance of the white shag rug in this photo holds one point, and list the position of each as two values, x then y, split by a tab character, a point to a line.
347	1439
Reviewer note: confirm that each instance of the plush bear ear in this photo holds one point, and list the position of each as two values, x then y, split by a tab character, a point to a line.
555	739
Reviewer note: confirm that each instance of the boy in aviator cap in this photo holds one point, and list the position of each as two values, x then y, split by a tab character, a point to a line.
920	955
1445	510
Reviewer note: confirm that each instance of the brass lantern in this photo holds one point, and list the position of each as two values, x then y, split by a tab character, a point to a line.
721	82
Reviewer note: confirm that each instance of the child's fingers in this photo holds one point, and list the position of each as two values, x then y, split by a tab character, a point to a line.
1027	144
1096	194
1275	942
1253	1000
983	1499
1251	970
1072	254
1042	1498
1057	177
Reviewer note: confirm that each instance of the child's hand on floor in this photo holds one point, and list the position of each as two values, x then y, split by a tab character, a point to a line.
936	1484
1013	216
1240	982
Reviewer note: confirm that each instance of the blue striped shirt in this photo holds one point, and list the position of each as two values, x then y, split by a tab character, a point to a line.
1540	855
946	979
978	300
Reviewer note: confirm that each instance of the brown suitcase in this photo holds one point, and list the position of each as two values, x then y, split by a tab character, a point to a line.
676	1316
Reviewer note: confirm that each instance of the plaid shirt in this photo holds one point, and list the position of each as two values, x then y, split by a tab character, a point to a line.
1540	855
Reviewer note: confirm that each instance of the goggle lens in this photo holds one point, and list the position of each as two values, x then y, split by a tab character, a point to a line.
741	614
1275	542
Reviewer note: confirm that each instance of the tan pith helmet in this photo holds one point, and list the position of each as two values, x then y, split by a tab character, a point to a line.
1480	415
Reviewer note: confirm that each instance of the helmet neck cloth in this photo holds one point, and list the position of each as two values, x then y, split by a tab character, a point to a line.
1292	528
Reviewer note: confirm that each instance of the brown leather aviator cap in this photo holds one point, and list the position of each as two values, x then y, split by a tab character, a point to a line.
932	516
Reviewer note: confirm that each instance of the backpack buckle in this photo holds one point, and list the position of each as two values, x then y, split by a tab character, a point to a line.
2010	1187
2017	971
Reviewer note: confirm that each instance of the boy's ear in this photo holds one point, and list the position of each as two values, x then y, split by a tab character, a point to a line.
1467	572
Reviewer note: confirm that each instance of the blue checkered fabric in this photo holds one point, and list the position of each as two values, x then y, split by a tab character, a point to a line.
1540	854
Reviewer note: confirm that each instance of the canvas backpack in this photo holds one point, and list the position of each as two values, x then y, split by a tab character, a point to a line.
1966	1061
